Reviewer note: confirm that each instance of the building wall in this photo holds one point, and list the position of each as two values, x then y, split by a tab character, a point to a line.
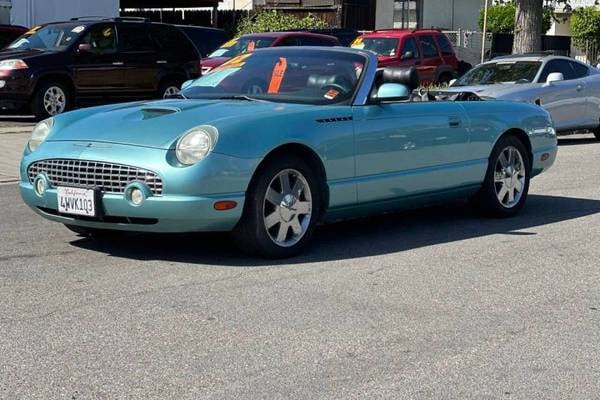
33	12
5	7
239	5
446	14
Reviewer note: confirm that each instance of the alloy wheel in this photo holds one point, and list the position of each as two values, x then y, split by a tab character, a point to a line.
509	177
287	208
55	100
170	91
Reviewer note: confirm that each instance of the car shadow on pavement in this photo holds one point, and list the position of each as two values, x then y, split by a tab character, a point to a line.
572	141
380	235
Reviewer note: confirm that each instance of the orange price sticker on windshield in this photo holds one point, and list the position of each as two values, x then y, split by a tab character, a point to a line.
277	76
251	46
33	30
331	94
230	43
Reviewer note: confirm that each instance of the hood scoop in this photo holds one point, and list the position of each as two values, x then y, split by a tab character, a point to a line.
155	112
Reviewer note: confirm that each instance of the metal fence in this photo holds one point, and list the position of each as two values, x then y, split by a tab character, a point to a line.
588	53
468	45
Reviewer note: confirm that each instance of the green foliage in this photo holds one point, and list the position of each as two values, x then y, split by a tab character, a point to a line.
585	27
501	17
273	21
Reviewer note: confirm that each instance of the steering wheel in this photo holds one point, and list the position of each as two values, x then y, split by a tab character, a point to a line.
338	88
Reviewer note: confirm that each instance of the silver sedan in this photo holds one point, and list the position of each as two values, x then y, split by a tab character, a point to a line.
567	88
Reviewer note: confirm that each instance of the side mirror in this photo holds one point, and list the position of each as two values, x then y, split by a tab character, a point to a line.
554	77
407	55
84	48
451	82
391	92
187	84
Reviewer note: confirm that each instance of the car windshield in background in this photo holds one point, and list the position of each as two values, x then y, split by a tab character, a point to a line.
237	46
500	72
50	37
382	46
293	76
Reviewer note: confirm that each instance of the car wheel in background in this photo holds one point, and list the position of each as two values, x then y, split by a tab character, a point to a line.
506	184
255	86
281	210
51	98
168	88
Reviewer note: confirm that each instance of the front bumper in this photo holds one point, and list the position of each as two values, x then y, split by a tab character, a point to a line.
15	90
167	213
185	205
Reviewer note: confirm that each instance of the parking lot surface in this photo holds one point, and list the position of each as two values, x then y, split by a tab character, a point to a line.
437	303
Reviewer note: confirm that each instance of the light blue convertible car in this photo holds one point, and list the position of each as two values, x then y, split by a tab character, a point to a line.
274	142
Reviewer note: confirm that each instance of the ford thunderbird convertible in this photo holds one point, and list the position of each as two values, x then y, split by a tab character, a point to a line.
272	143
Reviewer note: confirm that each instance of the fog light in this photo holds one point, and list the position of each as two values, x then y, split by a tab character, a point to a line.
40	187
137	196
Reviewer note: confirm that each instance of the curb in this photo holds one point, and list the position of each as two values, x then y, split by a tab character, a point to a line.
16	131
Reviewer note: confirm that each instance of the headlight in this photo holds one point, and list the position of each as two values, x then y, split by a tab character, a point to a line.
7	65
40	133
195	144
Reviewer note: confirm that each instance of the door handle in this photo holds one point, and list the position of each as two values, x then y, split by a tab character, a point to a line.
579	87
118	63
454	122
161	62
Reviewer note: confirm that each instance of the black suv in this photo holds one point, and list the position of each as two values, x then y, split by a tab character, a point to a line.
58	66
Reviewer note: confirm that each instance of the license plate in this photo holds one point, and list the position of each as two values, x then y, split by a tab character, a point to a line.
76	201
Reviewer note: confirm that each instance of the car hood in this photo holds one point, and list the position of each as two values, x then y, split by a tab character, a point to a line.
157	124
9	54
500	90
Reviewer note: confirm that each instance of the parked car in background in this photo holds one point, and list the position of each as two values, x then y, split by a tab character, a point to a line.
8	33
345	36
56	67
332	137
429	50
253	41
205	39
568	89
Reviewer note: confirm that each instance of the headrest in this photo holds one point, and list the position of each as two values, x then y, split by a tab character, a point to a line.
320	80
407	76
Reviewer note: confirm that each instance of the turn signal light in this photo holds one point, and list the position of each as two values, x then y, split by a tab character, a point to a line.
225	205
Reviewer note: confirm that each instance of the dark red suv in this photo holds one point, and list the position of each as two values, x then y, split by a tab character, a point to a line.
429	50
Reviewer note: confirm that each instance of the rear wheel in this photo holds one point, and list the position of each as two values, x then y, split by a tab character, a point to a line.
281	209
51	98
506	184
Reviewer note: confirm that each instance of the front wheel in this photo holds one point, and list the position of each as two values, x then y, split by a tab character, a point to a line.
281	209
168	88
506	184
50	99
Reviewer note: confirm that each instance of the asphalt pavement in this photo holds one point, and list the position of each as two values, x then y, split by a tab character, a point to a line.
438	303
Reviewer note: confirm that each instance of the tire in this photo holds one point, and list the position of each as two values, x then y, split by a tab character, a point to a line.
280	225
499	178
92	232
51	98
168	87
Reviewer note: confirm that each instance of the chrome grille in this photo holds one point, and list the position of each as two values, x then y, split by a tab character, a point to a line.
108	177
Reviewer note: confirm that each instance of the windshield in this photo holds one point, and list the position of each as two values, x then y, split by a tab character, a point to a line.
382	46
293	76
237	46
500	72
49	37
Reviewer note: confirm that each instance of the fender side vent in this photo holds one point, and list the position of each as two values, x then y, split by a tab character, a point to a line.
334	119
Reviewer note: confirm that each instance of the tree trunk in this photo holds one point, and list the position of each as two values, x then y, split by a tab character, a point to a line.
528	26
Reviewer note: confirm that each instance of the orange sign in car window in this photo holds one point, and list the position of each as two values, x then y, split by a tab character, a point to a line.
277	76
